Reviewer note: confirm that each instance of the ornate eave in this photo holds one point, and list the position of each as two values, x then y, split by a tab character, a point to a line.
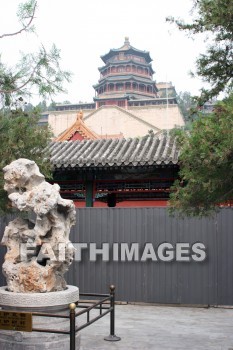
127	48
119	63
112	97
80	128
118	79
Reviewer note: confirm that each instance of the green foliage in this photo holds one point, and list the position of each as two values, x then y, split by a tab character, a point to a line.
215	18
187	105
39	71
20	134
22	137
206	159
41	106
206	176
52	106
25	14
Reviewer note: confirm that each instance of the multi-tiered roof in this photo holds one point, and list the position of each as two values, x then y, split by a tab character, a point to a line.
126	75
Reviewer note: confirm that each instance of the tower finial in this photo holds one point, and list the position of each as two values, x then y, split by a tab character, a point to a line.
80	115
127	40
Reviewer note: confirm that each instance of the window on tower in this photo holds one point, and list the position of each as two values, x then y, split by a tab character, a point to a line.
119	87
121	55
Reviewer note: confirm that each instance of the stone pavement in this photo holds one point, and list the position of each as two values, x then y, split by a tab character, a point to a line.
163	327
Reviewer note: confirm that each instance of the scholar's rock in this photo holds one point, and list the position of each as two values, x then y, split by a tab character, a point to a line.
39	252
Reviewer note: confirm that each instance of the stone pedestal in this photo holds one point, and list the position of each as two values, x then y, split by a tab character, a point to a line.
53	302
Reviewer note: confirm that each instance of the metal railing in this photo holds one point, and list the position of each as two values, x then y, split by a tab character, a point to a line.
101	305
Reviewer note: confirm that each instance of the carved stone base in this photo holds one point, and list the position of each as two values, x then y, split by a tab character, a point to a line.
54	302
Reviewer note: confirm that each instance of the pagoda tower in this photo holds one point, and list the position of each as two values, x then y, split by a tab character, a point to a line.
126	75
127	103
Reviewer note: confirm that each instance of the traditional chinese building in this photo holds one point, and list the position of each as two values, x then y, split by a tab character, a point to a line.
79	131
127	100
127	75
116	172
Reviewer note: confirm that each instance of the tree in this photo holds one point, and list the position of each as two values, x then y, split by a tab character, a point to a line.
20	134
42	106
187	105
39	70
28	107
206	159
22	137
52	106
215	18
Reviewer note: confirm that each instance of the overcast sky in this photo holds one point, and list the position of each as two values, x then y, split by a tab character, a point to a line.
85	30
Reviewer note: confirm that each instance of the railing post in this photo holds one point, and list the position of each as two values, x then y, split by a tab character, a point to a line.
112	336
72	307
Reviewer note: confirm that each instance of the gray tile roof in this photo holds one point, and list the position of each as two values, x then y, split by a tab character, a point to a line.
148	150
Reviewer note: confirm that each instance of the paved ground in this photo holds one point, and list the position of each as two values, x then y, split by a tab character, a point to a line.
159	328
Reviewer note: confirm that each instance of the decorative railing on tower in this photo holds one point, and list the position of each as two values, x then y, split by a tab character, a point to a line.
127	74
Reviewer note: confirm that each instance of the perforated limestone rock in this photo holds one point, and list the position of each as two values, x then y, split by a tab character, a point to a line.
39	252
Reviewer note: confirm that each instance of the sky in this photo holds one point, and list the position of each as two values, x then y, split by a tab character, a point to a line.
85	30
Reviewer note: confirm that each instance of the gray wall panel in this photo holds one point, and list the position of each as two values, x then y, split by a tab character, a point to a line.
208	282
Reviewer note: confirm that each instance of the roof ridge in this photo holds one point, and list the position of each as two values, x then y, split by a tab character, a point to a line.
126	112
89	115
138	118
146	151
77	126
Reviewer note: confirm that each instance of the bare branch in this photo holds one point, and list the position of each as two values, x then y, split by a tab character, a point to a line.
31	18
